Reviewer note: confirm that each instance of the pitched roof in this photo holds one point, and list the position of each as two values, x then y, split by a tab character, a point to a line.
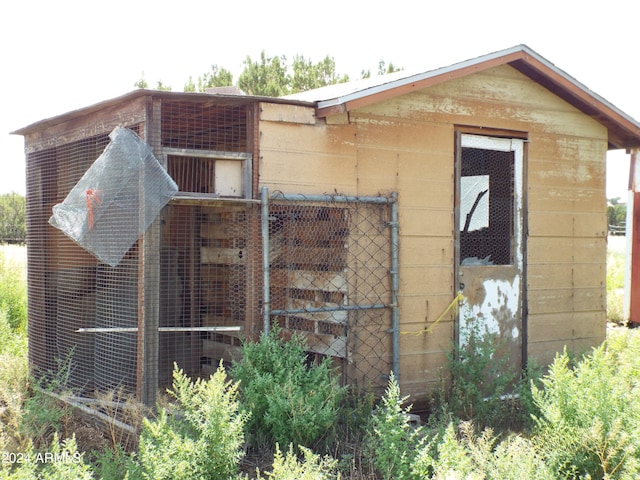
624	131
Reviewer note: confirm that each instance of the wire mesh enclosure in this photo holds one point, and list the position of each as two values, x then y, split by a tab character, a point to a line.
331	280
214	267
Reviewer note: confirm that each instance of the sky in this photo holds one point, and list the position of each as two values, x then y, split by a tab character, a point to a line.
63	55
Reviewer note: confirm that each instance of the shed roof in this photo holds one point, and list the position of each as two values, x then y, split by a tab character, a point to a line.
624	131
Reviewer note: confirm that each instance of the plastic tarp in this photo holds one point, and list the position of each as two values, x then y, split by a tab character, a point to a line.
116	200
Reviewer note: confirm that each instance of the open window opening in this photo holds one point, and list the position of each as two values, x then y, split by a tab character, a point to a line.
486	220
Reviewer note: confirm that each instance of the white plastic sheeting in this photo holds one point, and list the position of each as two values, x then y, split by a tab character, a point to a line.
116	200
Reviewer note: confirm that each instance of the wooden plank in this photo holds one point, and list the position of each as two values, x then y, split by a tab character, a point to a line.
567	224
79	127
579	275
545	352
330	345
217	231
339	316
556	326
566	250
330	258
272	112
566	300
427	251
222	256
428	280
212	320
310	280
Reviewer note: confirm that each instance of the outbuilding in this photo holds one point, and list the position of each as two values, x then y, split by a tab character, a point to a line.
382	219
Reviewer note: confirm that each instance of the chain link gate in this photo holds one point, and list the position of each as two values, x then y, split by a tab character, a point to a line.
330	273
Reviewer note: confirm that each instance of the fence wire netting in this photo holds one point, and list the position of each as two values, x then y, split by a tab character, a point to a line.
330	281
193	285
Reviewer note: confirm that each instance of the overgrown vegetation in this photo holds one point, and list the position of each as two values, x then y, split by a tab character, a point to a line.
290	401
615	285
579	420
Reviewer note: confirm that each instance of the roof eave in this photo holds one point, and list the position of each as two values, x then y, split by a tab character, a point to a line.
624	131
134	94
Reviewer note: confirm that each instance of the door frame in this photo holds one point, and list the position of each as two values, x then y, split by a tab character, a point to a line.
516	143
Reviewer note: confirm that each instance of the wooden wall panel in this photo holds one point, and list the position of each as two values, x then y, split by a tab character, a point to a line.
407	144
295	158
551	327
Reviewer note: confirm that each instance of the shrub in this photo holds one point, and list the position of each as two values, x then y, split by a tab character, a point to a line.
312	467
62	461
615	286
392	439
589	424
205	443
13	294
290	401
471	456
481	376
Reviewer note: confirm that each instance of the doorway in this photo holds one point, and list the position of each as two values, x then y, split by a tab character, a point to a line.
489	241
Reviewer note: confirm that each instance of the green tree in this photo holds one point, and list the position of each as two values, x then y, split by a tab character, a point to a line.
306	75
141	82
162	86
267	77
216	77
616	215
272	76
383	69
13	225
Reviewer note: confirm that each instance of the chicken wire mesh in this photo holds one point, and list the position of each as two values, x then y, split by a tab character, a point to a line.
193	285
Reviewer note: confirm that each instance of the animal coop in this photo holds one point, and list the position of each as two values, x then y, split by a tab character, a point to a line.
383	219
149	244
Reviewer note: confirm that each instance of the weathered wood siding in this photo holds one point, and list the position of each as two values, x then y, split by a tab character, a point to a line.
407	144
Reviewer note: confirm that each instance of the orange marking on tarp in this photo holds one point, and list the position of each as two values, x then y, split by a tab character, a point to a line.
93	198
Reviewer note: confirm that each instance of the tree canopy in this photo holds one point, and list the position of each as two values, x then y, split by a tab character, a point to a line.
272	76
13	226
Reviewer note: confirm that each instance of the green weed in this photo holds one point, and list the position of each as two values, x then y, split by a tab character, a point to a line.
204	442
393	440
589	424
290	467
289	400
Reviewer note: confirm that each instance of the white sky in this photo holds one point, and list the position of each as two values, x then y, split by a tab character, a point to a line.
62	55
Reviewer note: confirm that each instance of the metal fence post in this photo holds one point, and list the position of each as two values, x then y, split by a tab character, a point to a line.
395	313
266	302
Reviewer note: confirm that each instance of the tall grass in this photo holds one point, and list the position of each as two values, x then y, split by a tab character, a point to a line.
615	285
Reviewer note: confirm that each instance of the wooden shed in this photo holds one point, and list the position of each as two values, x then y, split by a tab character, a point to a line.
357	214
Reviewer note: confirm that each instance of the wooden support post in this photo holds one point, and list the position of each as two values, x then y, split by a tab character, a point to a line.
632	287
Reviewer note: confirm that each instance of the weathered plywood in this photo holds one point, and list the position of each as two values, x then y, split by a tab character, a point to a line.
558	300
566	250
578	275
310	280
422	251
287	113
543	353
222	256
498	98
95	123
568	326
567	224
